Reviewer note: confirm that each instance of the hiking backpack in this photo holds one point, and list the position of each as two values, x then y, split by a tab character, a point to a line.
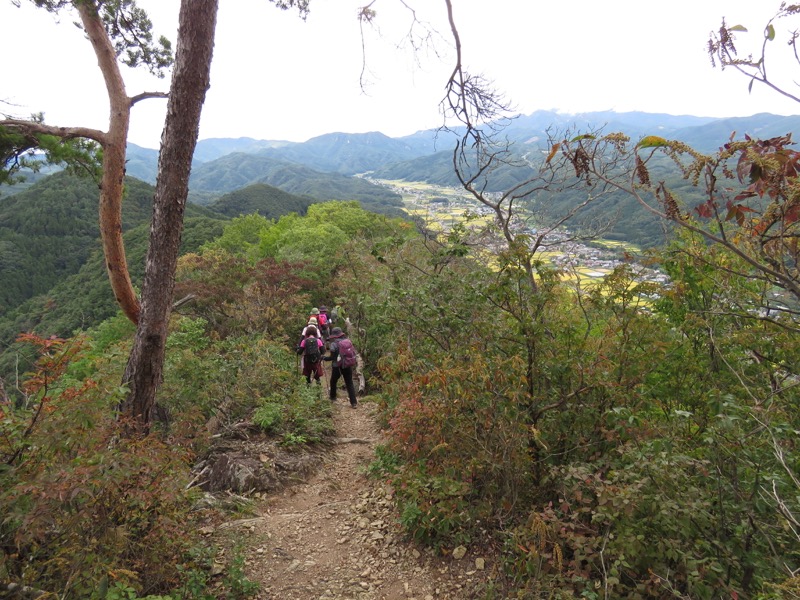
311	351
347	353
322	319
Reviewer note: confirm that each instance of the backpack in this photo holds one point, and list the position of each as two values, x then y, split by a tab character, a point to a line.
322	319
311	350
347	353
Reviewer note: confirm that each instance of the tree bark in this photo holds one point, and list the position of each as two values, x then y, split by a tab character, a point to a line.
114	148
190	81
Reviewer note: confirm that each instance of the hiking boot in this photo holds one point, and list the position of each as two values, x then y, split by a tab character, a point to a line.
353	404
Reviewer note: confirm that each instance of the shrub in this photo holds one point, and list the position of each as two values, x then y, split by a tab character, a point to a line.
465	462
80	502
298	415
268	416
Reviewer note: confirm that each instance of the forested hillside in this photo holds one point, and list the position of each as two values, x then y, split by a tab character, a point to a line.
83	299
262	199
48	231
53	279
238	170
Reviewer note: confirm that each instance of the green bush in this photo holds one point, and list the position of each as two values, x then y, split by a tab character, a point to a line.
80	501
268	416
297	416
463	455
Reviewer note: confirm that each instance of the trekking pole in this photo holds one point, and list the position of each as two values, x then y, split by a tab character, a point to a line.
325	379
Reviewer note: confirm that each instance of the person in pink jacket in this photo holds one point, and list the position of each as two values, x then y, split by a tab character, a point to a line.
312	348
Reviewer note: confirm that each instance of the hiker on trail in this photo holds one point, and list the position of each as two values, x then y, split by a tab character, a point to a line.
312	349
324	322
312	322
343	358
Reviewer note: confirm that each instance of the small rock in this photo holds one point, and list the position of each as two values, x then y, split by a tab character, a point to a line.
293	566
459	552
480	564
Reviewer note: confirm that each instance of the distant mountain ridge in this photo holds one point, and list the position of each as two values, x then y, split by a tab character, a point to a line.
348	154
239	170
357	153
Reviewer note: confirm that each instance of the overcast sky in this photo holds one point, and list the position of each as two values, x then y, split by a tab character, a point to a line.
276	77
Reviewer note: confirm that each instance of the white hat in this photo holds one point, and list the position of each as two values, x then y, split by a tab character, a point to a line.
312	321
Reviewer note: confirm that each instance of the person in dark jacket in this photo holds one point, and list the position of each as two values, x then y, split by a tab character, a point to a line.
342	352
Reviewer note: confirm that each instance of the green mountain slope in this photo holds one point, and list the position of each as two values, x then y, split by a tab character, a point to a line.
48	231
260	198
84	299
238	170
142	163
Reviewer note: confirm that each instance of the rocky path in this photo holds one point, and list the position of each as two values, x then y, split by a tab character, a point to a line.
336	536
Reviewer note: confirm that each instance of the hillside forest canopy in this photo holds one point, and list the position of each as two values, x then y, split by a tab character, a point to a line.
608	438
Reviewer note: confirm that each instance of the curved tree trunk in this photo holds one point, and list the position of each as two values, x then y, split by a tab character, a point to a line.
190	81
114	149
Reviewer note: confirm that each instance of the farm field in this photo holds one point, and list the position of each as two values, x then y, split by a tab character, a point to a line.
440	208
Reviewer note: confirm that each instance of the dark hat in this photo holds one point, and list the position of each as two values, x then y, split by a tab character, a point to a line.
323	307
336	333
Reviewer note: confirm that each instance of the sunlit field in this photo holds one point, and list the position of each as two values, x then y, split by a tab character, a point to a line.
442	208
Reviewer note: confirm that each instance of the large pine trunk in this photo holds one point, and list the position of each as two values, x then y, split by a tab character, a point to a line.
190	81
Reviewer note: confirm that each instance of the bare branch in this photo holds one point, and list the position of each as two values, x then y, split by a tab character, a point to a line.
67	133
147	95
723	51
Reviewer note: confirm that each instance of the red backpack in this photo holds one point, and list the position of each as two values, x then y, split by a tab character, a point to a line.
347	353
322	319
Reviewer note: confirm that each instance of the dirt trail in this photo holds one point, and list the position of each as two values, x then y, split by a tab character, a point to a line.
336	535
